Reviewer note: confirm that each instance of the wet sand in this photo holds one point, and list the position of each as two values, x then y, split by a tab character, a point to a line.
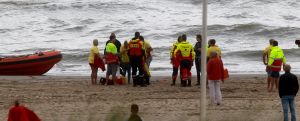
72	98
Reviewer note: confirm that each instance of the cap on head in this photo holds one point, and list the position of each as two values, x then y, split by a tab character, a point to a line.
287	68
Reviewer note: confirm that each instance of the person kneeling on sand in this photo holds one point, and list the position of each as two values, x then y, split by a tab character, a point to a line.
134	113
215	72
21	113
288	88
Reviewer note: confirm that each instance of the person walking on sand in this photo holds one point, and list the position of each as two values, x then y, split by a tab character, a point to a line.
288	89
125	63
265	57
111	59
215	72
94	52
134	113
21	113
186	55
275	61
136	54
197	49
174	61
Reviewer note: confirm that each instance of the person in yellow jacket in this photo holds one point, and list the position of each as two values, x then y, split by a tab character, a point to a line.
94	51
173	60
125	62
265	58
212	47
276	60
147	59
186	55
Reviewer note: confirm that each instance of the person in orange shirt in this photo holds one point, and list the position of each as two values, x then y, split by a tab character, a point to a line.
215	72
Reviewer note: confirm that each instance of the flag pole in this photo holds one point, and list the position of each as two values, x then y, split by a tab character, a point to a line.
203	63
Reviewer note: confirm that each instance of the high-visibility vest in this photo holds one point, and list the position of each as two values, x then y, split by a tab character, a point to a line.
135	48
276	58
173	48
185	51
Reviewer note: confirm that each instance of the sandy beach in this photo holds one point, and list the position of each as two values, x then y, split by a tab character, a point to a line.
73	98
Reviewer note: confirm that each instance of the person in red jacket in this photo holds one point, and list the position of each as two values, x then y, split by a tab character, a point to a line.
21	113
215	72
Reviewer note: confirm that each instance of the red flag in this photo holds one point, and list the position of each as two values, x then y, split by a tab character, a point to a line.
99	63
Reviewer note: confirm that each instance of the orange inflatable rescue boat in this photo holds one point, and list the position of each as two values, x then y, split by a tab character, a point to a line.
34	64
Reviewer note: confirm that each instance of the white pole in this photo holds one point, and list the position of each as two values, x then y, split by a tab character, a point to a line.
203	63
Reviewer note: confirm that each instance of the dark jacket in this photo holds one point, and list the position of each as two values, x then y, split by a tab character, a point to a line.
288	85
197	45
134	117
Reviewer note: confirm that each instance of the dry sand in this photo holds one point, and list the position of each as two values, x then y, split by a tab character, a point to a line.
56	98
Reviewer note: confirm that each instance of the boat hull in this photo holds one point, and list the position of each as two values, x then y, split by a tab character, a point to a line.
35	64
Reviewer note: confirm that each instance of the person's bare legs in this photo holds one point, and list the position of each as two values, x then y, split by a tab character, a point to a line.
276	83
272	84
94	74
269	81
107	78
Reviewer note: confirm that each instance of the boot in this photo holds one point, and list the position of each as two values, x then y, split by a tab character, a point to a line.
173	83
183	83
134	80
189	83
147	80
141	81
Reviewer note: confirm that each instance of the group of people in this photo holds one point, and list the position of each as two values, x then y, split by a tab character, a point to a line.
132	58
182	55
287	83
